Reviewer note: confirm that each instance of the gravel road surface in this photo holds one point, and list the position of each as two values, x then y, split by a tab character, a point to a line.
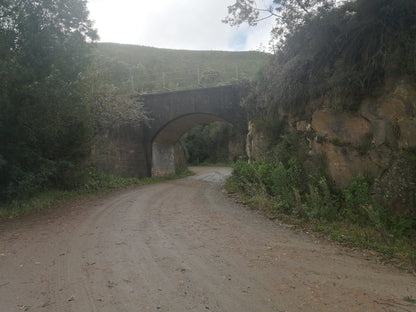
183	246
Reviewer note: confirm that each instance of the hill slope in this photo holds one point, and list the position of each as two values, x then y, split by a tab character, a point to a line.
146	69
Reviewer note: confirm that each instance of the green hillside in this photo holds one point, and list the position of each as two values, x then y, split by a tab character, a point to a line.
146	69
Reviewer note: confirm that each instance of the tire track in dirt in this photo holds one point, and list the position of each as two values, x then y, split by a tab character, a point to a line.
183	246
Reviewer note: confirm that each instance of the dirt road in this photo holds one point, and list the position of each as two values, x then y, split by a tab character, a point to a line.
183	246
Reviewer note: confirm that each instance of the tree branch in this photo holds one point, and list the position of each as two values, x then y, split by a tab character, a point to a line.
299	2
264	18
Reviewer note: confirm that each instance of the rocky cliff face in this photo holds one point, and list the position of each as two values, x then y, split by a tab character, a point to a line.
370	141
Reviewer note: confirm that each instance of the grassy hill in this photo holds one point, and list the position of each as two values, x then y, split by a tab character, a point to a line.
146	69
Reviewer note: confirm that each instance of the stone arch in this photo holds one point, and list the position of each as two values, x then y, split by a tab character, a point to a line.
174	113
166	150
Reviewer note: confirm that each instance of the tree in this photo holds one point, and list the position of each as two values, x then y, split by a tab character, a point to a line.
44	121
342	54
112	108
289	14
208	143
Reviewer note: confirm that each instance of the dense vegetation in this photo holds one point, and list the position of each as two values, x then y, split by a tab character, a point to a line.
351	215
145	69
343	54
208	143
44	122
97	183
60	90
333	57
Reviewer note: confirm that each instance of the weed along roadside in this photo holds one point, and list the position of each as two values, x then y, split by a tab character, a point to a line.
97	184
349	216
331	141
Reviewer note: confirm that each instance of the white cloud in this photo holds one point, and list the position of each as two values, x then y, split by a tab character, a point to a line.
175	24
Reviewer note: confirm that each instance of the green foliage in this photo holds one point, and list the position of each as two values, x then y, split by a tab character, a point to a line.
290	144
289	15
358	200
293	191
339	56
333	56
44	123
94	182
409	155
272	179
144	69
208	143
350	216
111	108
285	184
321	202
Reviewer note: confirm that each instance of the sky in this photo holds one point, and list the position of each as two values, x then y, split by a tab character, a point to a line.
176	24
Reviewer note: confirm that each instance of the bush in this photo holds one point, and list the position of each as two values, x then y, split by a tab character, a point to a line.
44	120
249	176
350	215
358	201
342	54
322	203
284	184
313	198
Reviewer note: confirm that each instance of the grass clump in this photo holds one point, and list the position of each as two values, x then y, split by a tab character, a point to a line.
350	216
95	183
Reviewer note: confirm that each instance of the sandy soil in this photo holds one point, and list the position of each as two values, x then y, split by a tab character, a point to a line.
183	246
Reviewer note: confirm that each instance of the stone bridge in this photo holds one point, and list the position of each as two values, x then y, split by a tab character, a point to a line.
175	113
154	149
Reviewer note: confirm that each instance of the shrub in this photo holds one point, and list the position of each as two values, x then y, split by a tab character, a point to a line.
322	203
358	201
284	184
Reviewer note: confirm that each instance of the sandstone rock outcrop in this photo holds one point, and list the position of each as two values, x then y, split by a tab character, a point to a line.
370	141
